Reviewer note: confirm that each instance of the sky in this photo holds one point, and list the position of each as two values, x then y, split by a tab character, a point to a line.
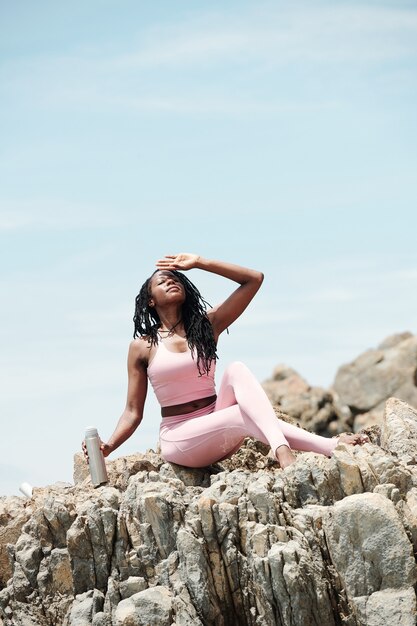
276	135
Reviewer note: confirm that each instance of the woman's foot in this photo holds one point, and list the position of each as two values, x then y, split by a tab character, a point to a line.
353	440
284	456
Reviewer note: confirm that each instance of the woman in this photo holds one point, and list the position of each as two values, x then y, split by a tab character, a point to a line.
175	348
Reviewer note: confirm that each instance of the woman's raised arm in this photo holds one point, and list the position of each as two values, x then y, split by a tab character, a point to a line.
224	314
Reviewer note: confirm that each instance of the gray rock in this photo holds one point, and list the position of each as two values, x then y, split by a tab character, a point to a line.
101	619
14	513
359	531
55	575
82	610
151	607
28	554
134	584
388	607
399	430
313	408
326	541
85	607
357	397
389	370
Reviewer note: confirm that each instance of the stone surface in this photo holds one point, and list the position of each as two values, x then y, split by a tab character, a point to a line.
388	607
356	400
14	513
313	407
359	531
399	433
151	607
326	541
389	370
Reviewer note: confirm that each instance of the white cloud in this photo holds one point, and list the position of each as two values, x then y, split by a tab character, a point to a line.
265	38
275	34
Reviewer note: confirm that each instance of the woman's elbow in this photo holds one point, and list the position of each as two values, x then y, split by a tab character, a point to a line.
132	417
258	278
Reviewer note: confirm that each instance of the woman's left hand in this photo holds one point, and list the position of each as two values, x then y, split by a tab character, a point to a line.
183	261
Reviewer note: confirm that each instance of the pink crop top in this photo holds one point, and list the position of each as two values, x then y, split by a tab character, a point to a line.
175	378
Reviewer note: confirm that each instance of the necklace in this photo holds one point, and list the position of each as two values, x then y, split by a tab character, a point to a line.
170	331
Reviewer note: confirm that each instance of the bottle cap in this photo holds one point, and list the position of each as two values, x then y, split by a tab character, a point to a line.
91	431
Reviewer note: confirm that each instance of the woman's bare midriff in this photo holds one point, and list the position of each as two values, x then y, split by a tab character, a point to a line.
187	407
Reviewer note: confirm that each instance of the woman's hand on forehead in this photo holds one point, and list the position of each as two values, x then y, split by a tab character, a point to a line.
182	261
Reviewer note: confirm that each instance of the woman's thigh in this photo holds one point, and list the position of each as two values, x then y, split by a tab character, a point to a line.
200	441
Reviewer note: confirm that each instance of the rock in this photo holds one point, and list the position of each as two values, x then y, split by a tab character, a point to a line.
356	400
14	513
327	540
374	376
394	340
134	584
399	432
28	554
120	470
151	607
389	607
81	471
55	575
313	407
358	531
82	610
85	607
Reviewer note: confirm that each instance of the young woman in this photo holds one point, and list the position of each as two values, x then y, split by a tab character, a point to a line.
175	349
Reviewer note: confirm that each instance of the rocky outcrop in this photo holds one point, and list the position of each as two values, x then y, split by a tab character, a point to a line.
325	541
389	370
314	408
359	392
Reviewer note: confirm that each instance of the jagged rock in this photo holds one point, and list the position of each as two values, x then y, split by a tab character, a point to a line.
357	397
14	513
389	370
399	433
326	541
134	584
85	607
313	407
55	574
120	470
359	531
151	607
389	607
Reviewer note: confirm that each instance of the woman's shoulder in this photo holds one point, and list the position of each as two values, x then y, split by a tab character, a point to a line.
139	348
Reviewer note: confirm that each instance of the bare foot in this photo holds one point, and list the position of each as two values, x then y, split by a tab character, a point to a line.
284	456
353	440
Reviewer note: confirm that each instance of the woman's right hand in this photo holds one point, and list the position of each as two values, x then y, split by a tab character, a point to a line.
104	447
182	261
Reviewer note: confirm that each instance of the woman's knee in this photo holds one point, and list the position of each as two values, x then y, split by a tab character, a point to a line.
237	367
238	371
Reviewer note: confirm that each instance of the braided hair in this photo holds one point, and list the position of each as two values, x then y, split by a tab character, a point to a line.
198	330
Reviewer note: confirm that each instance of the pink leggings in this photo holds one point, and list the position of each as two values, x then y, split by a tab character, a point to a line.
242	409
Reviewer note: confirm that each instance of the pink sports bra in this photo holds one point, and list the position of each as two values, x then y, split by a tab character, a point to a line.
175	378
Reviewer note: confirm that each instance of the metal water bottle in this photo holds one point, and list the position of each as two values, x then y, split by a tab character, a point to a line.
96	462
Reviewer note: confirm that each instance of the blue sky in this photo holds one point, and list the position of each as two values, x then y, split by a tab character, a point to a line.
273	134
